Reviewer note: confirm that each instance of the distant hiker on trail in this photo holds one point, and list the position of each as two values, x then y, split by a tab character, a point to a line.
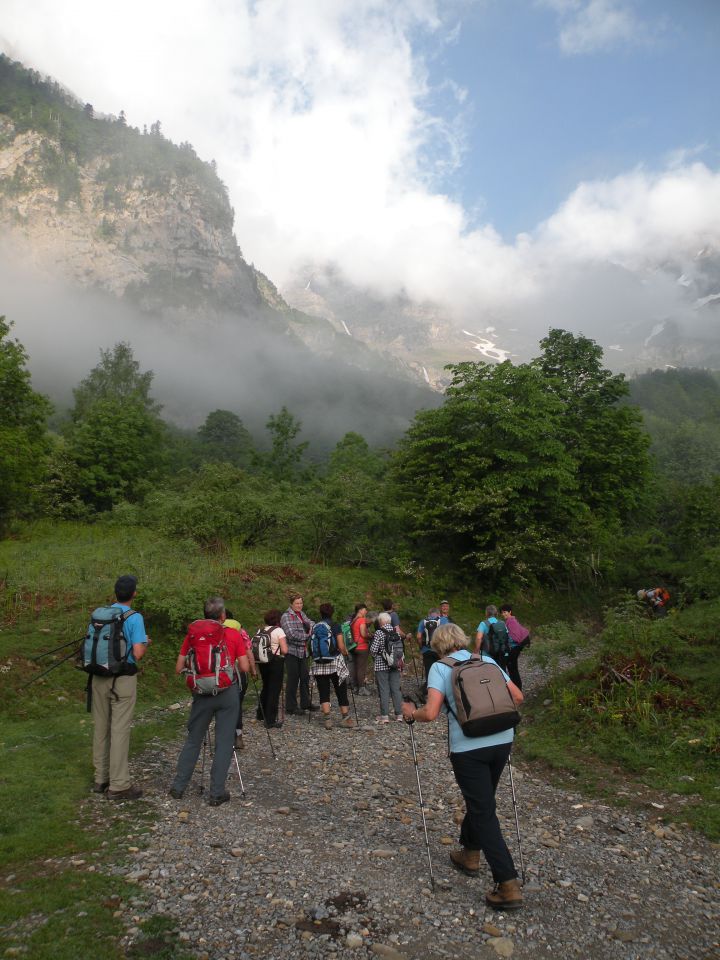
234	624
387	648
359	656
492	637
389	607
426	628
519	639
114	694
272	670
327	648
211	655
297	628
657	598
477	763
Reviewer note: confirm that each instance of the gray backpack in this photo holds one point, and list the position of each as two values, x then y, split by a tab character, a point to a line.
482	699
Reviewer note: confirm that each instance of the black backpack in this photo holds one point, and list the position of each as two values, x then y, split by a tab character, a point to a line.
496	642
431	626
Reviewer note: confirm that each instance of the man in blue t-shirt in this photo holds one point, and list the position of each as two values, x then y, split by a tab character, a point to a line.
113	704
427	626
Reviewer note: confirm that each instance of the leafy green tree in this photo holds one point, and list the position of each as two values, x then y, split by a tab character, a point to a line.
23	435
486	479
285	456
116	434
224	437
605	438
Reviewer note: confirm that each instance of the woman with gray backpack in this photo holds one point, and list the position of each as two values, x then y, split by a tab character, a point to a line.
388	652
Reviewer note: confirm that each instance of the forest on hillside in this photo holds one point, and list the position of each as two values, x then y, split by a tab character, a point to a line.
554	472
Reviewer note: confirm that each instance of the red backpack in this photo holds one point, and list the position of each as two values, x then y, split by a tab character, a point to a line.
210	665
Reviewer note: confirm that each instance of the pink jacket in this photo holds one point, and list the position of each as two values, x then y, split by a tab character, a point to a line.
517	631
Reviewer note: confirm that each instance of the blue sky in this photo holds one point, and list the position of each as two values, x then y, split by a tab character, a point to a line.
476	154
538	121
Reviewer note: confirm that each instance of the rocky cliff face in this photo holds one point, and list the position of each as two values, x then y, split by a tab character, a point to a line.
162	241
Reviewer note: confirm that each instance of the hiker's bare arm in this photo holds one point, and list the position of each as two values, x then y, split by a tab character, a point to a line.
341	644
244	664
283	645
140	649
251	663
516	693
180	663
478	641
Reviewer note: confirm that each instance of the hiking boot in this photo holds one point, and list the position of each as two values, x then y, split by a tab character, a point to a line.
312	708
100	787
347	722
327	723
132	793
239	742
466	860
383	720
278	725
294	712
399	718
506	895
176	794
216	801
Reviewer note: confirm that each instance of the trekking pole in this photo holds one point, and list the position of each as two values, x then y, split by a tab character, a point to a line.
45	672
310	688
352	694
237	766
264	719
62	647
410	724
517	822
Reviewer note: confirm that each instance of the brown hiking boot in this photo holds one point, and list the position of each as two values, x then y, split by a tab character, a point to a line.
506	895
132	793
466	860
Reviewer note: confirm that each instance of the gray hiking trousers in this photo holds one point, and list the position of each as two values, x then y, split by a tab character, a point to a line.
388	684
224	709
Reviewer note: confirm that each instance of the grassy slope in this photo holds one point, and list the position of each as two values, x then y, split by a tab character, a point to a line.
657	730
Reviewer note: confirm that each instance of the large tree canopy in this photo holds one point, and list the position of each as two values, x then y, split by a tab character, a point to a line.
509	475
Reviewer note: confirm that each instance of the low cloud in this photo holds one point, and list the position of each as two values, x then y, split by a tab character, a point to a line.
600	25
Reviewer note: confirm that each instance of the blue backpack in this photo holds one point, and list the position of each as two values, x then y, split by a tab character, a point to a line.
105	649
323	645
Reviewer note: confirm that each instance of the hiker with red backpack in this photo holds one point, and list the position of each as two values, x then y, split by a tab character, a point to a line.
480	730
657	599
212	656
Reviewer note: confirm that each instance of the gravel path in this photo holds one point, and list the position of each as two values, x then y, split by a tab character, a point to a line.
325	857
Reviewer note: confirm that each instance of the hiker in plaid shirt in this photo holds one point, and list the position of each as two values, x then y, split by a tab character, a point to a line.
297	628
386	677
333	669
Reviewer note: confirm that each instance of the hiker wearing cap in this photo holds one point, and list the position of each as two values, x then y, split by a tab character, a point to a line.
332	667
113	704
477	763
297	629
426	628
215	696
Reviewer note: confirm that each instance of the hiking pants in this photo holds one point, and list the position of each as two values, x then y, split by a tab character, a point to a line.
512	663
296	672
112	718
429	658
241	694
272	678
223	708
477	773
341	690
358	668
388	684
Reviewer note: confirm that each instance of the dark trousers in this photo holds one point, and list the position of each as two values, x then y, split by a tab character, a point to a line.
358	668
512	663
243	691
223	708
477	773
341	690
429	658
272	678
296	673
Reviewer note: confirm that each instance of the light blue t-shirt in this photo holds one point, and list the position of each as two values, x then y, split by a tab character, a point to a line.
440	678
482	627
426	648
134	629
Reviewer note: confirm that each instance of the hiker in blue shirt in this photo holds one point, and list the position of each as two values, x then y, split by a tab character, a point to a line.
427	626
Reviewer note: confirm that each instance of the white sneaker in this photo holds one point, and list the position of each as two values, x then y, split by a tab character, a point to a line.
383	720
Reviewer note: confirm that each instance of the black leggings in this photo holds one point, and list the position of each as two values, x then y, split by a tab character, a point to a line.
512	663
341	690
272	679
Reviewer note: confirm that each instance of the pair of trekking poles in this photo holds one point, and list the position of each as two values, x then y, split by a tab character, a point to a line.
411	725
